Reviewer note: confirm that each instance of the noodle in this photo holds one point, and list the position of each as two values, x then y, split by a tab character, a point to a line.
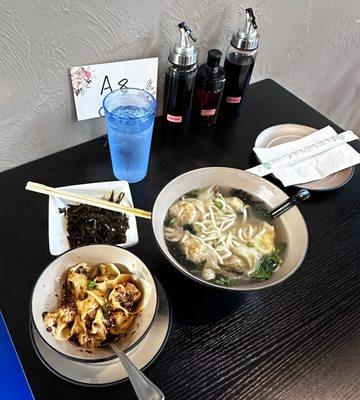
214	230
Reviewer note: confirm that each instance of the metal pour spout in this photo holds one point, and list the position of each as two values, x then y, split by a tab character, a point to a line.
247	38
185	33
250	23
184	52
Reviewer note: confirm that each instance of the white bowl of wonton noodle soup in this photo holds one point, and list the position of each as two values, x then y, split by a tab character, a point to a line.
49	291
211	224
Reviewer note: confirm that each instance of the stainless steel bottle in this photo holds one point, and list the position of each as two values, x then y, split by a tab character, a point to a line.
239	64
180	82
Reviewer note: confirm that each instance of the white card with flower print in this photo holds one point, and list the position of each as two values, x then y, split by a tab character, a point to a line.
91	83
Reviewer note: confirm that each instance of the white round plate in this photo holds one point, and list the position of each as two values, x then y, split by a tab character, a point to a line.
279	134
111	372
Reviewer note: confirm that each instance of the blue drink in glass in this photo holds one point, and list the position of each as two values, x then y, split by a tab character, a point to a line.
129	119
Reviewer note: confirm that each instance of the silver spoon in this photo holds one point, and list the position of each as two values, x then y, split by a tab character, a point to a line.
143	387
292	201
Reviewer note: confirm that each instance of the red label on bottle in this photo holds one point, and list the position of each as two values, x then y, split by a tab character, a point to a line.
233	100
208	113
174	118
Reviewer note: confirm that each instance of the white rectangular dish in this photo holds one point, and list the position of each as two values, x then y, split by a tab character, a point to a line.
58	241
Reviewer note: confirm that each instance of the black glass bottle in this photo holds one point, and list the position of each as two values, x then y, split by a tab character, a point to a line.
239	64
180	83
209	86
179	89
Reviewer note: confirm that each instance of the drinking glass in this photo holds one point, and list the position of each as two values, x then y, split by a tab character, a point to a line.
129	121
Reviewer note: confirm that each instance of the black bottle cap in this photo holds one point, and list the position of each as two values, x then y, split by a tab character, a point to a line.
214	57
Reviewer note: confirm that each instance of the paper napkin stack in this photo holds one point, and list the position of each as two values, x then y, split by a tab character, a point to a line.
314	167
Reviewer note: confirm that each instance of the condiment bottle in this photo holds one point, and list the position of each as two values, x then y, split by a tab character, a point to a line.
239	64
180	82
209	86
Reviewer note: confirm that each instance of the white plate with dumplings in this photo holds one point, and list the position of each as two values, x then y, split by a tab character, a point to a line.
111	372
49	290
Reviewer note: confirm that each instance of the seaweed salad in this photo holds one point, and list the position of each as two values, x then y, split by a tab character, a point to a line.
88	224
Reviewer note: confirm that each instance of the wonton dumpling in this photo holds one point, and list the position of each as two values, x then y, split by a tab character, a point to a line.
211	262
207	195
174	234
58	321
87	308
131	294
235	263
248	254
208	274
98	328
264	241
83	336
120	322
235	203
81	333
78	326
198	205
125	296
98	295
108	270
108	277
184	212
193	249
77	280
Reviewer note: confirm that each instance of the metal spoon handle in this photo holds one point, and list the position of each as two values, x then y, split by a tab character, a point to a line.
292	201
143	387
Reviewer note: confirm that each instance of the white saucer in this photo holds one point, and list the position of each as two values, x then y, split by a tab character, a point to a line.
279	134
109	373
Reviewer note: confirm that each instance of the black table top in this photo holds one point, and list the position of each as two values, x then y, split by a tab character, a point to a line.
297	340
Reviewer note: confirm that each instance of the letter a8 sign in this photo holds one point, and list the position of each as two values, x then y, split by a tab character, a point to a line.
91	83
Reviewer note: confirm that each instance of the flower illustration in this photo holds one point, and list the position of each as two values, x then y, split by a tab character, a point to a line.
80	79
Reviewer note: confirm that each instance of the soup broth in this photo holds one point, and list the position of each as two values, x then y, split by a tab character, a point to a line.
224	235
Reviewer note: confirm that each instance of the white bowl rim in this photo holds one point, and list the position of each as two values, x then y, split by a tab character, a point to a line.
213	285
96	360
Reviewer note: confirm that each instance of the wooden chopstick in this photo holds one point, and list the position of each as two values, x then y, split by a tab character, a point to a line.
84	199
